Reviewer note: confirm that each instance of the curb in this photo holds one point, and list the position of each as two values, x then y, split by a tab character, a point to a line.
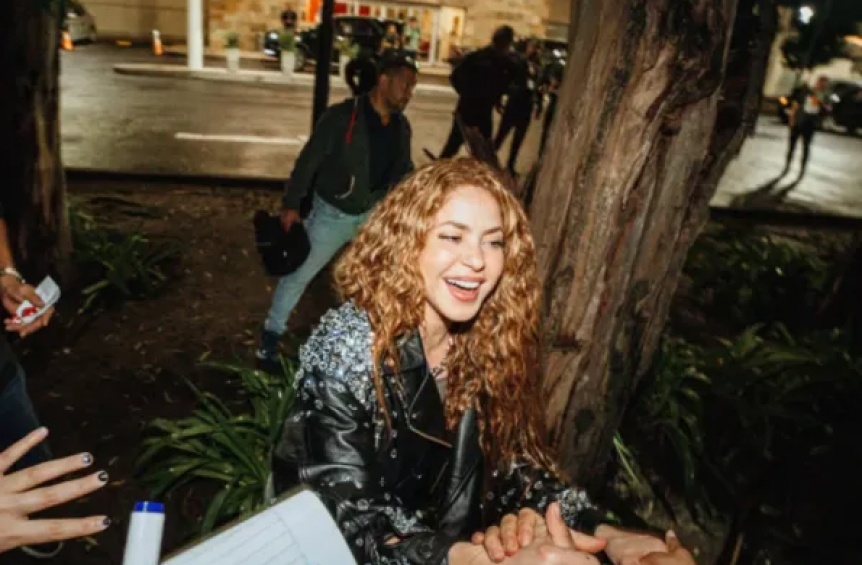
79	174
248	76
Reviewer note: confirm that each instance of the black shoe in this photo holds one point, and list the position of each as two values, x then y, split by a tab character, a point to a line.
43	550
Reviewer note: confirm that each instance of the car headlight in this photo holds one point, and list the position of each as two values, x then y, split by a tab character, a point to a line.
272	35
835	98
783	100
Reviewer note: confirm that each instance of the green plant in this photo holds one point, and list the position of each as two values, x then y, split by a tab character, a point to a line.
231	40
287	41
745	278
215	445
118	265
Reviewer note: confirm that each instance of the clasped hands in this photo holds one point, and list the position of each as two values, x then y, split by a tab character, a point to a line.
530	538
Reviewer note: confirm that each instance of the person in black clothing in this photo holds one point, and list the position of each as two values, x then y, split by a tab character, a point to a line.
523	97
553	77
288	19
807	110
480	80
360	74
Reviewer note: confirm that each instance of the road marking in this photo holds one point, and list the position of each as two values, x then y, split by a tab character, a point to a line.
226	138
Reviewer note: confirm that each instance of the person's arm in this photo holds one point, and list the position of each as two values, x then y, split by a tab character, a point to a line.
14	291
312	156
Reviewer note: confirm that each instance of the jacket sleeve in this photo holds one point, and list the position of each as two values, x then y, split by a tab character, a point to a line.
525	486
312	157
341	465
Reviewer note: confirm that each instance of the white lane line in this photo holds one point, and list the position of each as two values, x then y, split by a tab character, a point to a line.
225	138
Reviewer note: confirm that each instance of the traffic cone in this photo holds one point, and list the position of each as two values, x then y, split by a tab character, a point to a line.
158	49
66	42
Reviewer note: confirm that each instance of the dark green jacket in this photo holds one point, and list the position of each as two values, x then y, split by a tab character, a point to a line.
334	163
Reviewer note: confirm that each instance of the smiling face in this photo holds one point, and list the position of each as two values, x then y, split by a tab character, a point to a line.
463	257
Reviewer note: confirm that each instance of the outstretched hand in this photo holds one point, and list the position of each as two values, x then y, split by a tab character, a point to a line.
12	293
20	496
676	554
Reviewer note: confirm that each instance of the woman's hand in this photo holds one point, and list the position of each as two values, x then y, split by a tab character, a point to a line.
19	496
627	548
552	544
516	532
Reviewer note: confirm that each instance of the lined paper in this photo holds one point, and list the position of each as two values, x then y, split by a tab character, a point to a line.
295	531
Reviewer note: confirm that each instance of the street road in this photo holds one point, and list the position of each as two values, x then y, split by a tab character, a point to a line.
164	125
177	126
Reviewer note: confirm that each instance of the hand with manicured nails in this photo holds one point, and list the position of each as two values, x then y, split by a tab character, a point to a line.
12	293
20	496
676	554
516	532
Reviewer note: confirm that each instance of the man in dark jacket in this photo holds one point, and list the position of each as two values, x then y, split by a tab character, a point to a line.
480	80
521	100
551	81
358	150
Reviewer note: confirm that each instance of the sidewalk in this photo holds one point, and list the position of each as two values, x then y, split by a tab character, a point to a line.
260	76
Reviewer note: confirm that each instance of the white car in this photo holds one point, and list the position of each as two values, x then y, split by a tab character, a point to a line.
79	22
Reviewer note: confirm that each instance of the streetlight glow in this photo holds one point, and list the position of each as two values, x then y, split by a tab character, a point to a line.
805	14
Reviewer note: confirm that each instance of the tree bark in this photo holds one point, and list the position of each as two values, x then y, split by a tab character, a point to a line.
640	140
34	189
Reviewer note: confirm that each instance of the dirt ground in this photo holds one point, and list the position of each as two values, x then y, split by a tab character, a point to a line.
98	386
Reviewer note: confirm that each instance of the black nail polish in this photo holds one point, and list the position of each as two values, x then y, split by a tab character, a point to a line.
106	522
103	476
87	459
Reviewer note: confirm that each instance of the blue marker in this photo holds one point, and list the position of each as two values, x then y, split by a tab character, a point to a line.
144	540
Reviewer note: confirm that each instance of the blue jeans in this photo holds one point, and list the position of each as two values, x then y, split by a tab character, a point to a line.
18	418
329	229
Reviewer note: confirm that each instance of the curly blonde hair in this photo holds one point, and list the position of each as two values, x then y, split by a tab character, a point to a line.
492	361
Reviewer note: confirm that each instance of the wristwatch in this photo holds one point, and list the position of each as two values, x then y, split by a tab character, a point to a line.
12	272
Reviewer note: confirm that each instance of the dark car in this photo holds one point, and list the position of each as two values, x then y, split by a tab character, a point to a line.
367	33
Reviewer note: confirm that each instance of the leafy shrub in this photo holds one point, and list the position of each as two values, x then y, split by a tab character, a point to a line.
714	418
217	446
118	266
745	278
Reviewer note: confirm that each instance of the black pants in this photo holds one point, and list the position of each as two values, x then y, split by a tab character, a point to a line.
515	117
806	132
475	115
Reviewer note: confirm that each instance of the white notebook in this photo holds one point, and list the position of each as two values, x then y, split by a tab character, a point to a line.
296	530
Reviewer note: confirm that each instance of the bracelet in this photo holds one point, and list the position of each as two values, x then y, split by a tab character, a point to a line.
12	272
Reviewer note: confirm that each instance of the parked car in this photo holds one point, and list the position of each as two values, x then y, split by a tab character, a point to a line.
845	101
80	24
365	32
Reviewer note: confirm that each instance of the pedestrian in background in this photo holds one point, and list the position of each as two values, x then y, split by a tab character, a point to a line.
480	79
806	113
288	19
412	37
358	150
522	101
552	78
391	40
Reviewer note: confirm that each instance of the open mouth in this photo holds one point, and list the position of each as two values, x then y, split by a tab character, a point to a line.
463	290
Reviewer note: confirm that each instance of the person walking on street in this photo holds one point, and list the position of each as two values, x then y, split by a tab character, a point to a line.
480	80
806	112
412	37
551	81
359	149
523	97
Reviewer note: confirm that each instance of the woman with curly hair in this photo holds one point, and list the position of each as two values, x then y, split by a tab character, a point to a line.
419	419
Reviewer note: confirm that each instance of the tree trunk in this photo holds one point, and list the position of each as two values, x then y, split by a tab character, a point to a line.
640	140
34	189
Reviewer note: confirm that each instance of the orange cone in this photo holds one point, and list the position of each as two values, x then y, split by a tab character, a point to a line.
158	48
66	42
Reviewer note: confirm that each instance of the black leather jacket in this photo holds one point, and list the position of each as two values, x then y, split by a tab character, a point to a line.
417	483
